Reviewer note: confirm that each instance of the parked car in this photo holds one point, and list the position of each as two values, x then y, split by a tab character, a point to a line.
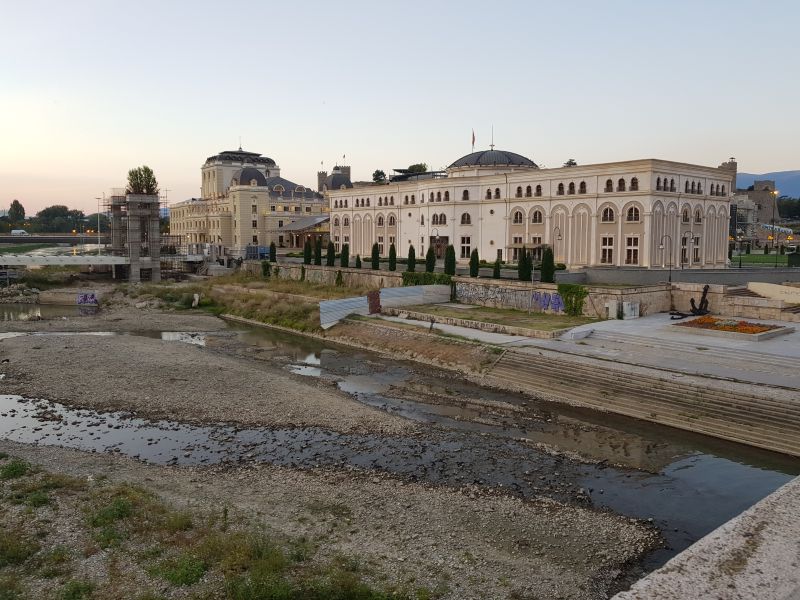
19	232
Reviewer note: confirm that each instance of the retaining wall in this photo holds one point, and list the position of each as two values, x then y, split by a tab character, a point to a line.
732	276
327	275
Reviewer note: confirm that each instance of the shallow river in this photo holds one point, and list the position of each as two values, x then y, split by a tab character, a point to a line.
687	484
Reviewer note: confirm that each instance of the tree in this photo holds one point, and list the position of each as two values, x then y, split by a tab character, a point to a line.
411	265
571	163
330	259
105	223
548	266
496	269
318	252
358	261
430	260
417	168
450	260
345	256
58	218
378	176
474	263
141	180
16	213
273	252
524	265
307	253
266	269
375	258
392	258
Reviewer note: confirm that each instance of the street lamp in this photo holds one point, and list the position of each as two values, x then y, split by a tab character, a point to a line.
661	247
557	237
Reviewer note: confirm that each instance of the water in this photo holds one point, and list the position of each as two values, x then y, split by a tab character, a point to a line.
35	312
688	484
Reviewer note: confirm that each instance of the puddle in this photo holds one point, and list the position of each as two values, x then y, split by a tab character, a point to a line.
36	312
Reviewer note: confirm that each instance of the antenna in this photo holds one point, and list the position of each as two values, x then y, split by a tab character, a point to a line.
492	144
240	143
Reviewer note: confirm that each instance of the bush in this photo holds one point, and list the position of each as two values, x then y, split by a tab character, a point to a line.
186	569
344	257
561	267
358	261
548	266
430	260
15	468
266	269
426	278
496	269
307	253
339	280
273	252
375	258
474	263
573	296
411	263
747	248
392	258
330	259
318	252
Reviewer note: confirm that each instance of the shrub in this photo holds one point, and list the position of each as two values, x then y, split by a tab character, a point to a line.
548	266
496	269
358	261
266	269
318	252
375	259
273	252
573	296
15	468
330	259
426	278
561	267
474	263
392	258
345	256
339	280
411	263
430	260
185	569
307	253
747	248
450	260
14	548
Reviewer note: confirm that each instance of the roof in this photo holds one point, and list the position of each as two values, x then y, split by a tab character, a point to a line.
490	158
289	188
246	175
306	223
337	179
242	156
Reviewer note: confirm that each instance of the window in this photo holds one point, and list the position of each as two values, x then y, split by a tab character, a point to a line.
392	221
255	224
255	237
447	196
631	250
308	209
380	244
272	208
465	195
723	190
254	209
696	250
336	222
519	192
516	241
621	185
298	208
538	190
346	223
345	203
518	217
336	242
406	200
431	197
560	191
685	216
466	219
488	194
380	200
391	240
380	221
422	219
571	189
537	217
435	219
528	192
466	246
635	184
536	250
607	215
686	190
367	201
438	196
391	200
442	219
607	250
609	185
413	199
632	215
496	193
698	216
658	184
582	188
671	185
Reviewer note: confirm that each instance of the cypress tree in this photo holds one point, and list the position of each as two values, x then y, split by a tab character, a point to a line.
430	260
548	266
307	253
450	260
524	265
273	252
358	261
496	270
318	252
392	258
474	263
411	266
330	259
376	258
345	257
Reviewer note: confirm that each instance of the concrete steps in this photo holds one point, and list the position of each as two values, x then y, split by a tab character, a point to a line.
762	421
742	291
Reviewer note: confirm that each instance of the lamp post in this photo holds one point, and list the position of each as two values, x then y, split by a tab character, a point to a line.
776	246
661	247
740	248
558	238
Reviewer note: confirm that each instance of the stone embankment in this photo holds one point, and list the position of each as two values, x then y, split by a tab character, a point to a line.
18	293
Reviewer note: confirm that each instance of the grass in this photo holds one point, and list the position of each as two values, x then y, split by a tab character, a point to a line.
76	590
15	547
505	316
14	469
22	248
761	259
182	570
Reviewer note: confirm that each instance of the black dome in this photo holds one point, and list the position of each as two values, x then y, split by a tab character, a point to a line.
336	181
246	175
491	158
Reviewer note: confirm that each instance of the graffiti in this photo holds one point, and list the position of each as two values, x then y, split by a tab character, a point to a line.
502	297
87	299
547	301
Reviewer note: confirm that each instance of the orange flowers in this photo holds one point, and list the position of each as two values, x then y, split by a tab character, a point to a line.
707	322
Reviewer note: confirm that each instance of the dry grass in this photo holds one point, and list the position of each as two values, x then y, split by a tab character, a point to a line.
505	316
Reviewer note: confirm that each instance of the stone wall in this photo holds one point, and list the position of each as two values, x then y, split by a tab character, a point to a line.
732	276
364	278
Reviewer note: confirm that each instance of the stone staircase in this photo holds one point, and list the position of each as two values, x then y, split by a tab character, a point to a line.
727	411
742	292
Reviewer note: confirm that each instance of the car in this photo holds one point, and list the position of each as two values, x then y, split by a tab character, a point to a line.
19	232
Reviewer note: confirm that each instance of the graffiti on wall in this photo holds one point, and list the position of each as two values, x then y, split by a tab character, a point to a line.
87	299
503	297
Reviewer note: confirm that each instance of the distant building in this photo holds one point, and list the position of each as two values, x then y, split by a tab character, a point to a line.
614	214
246	202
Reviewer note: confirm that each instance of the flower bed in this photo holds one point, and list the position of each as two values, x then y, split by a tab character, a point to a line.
731	325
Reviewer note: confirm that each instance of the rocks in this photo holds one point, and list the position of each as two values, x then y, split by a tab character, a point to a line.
18	293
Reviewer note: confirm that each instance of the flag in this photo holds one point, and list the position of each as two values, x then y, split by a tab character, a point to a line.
473	139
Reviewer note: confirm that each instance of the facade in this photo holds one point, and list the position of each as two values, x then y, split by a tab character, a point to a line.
615	214
757	206
244	202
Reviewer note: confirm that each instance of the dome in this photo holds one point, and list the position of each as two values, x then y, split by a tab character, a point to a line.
246	175
338	180
492	158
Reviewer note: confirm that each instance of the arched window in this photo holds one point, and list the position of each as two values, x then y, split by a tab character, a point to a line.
335	204
687	188
582	188
685	215
621	185
635	184
537	217
633	215
658	184
497	193
447	196
380	221
380	201
671	185
367	201
430	198
519	192
560	191
698	216
699	188
442	219
571	189
723	190
392	221
422	219
609	185
517	217
406	200
465	195
413	199
528	192
608	215
345	202
488	194
346	222
336	222
438	196
538	190
694	187
391	201
435	219
466	219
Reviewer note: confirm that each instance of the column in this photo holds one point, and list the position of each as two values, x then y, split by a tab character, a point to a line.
645	243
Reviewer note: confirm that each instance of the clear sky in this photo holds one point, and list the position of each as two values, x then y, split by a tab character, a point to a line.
89	89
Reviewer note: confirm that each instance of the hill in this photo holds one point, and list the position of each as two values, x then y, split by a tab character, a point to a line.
787	182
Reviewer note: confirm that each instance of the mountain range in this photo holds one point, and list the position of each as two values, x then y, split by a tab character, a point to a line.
786	182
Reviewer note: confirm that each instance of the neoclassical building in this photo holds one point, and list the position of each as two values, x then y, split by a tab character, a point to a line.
639	213
246	202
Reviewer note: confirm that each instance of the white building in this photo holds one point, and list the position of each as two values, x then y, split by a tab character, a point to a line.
614	214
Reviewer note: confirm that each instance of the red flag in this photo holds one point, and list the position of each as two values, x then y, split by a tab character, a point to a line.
473	139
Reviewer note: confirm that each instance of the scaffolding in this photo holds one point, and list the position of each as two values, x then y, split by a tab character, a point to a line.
136	232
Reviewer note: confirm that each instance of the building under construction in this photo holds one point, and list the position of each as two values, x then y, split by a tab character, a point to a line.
136	234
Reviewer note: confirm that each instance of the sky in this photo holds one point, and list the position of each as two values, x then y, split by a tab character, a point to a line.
90	89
